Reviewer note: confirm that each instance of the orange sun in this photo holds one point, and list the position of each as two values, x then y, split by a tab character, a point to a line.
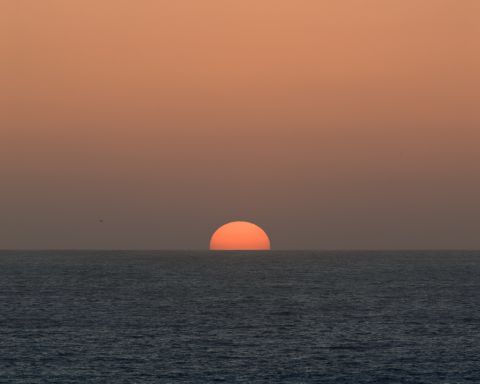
239	235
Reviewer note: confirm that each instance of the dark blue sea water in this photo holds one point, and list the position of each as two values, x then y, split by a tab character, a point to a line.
239	317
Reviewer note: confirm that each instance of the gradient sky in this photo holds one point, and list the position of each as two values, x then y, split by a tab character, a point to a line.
332	124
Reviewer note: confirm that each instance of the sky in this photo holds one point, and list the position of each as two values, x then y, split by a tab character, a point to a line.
349	124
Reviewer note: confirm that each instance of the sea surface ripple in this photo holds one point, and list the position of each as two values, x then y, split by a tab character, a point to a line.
239	317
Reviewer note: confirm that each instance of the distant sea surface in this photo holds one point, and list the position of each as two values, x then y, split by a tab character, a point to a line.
239	317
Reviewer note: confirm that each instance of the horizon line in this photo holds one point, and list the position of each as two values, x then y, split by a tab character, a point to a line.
239	250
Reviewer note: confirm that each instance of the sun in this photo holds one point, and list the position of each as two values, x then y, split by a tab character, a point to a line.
239	235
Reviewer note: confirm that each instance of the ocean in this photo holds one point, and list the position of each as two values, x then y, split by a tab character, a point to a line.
239	317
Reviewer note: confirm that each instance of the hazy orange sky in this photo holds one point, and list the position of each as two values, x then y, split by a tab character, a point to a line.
331	124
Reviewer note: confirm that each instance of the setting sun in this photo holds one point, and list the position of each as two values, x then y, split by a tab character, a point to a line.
239	235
